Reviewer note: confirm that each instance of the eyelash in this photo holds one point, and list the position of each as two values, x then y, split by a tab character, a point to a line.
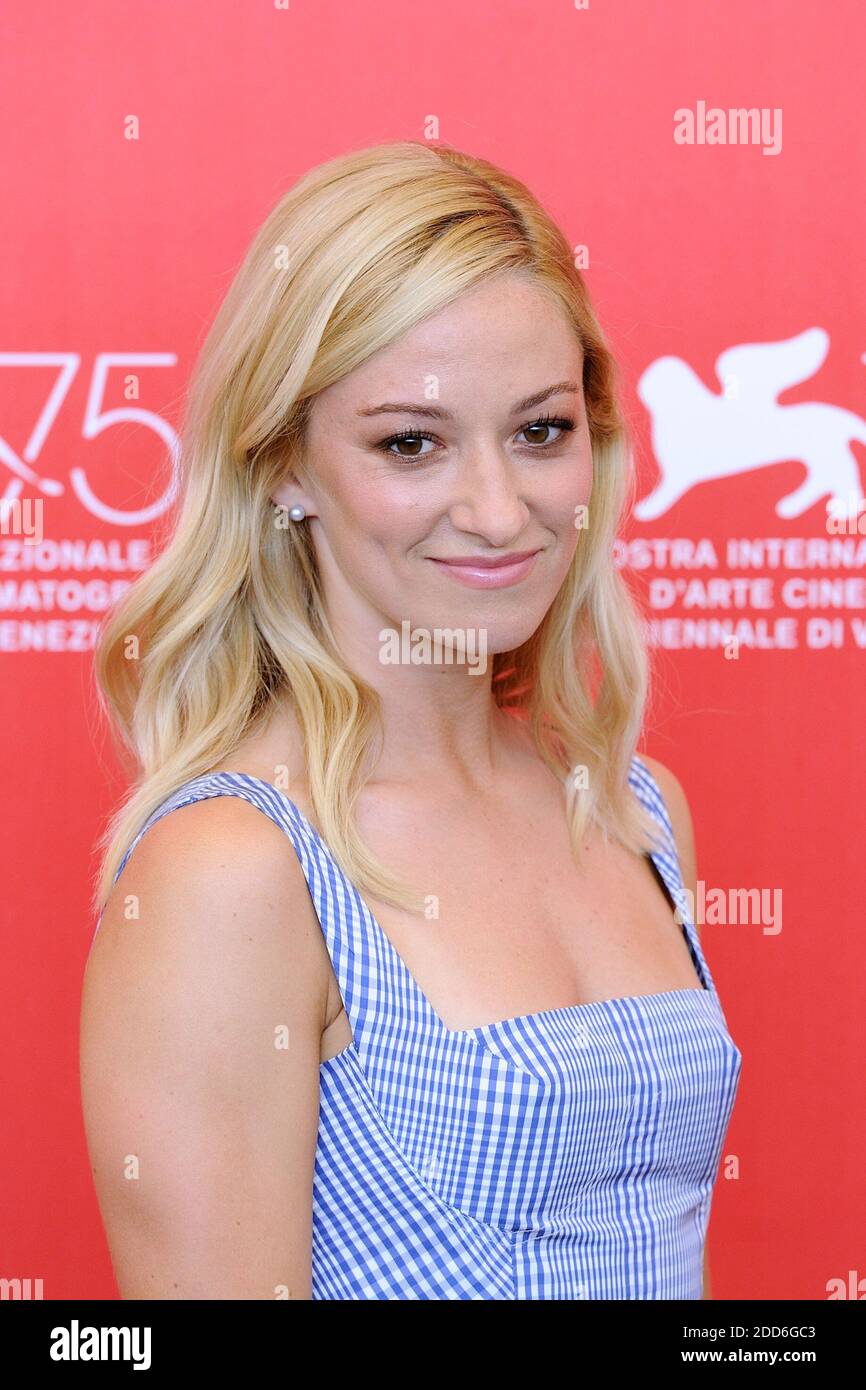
561	422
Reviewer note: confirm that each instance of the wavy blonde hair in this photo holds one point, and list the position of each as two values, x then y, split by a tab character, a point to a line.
229	618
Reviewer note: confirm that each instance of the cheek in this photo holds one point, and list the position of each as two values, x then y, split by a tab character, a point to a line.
368	522
397	513
565	493
583	472
351	505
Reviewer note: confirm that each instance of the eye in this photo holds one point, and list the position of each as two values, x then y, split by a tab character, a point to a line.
406	437
414	438
547	423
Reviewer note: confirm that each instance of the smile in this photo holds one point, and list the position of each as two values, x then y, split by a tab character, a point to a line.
479	573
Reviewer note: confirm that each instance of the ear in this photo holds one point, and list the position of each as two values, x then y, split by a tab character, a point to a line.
289	493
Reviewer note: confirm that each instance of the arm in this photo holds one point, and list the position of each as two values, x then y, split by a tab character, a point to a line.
684	837
201	1131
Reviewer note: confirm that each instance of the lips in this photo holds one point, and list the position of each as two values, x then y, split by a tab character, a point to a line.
477	562
489	572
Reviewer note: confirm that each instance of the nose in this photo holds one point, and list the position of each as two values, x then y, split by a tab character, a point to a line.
489	501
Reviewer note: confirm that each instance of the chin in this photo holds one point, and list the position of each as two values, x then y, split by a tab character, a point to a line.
502	634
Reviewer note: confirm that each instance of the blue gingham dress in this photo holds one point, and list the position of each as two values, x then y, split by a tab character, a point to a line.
565	1154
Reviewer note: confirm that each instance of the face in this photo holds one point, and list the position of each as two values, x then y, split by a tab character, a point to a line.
468	519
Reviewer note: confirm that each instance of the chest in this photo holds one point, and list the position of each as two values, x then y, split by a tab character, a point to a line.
512	925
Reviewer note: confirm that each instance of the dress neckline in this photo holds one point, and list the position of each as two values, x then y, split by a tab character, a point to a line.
537	1017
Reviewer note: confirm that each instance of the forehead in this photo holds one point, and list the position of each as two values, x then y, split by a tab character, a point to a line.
496	343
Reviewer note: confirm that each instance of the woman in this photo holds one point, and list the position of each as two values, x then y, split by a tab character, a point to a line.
460	1043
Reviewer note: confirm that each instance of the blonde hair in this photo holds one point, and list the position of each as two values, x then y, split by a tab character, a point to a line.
229	617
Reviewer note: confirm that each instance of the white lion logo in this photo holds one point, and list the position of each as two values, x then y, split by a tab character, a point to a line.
698	435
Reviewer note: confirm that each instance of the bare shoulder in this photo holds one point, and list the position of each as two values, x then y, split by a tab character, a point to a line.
201	1019
681	819
205	874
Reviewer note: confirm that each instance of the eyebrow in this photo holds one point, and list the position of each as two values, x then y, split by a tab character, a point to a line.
435	412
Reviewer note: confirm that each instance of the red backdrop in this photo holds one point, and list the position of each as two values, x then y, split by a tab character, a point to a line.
142	147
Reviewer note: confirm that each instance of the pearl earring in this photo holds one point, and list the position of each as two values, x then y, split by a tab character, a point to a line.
297	513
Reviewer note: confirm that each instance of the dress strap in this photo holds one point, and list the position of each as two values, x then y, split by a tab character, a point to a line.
667	861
